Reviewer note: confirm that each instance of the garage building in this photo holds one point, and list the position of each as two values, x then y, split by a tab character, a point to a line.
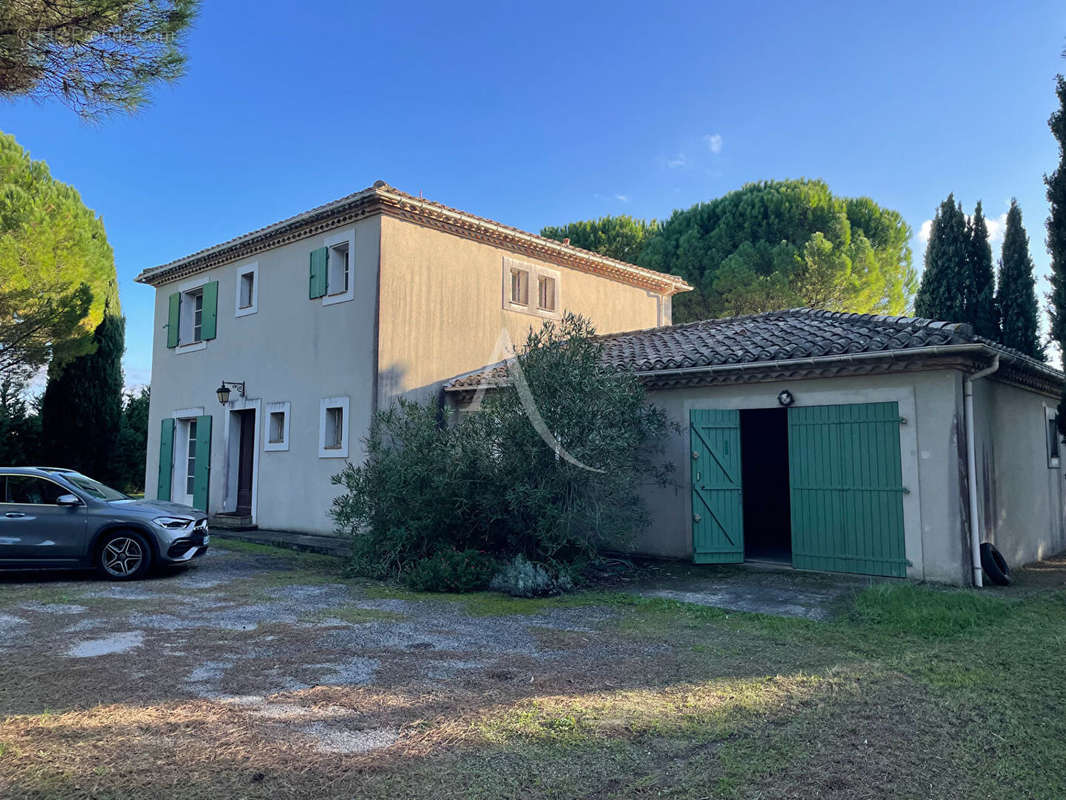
838	442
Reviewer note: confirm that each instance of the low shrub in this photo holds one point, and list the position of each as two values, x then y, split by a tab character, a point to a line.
452	571
550	467
520	577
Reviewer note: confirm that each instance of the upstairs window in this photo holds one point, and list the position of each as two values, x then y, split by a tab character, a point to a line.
546	293
247	301
519	286
338	269
333	269
192	317
530	289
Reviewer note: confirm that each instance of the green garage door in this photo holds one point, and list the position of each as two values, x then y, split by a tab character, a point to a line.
717	505
847	488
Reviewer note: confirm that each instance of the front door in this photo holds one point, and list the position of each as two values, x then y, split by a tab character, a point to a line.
717	502
245	462
33	526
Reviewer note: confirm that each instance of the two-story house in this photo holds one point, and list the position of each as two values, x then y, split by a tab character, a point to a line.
315	322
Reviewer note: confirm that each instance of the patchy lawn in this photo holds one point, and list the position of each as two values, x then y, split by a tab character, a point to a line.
263	673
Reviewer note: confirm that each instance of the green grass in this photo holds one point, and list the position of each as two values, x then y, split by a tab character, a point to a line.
909	691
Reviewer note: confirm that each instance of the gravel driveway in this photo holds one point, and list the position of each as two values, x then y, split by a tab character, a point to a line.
264	674
256	632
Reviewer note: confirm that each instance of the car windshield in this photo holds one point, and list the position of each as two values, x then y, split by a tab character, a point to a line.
94	488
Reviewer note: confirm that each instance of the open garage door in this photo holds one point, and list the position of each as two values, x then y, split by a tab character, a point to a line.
846	488
717	507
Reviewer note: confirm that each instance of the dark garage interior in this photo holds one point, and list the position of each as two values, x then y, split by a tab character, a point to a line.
764	476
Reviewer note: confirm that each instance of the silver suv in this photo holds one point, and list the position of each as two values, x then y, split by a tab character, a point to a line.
52	517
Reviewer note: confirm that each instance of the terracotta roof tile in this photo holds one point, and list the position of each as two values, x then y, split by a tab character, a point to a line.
798	333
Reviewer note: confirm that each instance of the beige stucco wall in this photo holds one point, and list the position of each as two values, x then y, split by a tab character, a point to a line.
442	308
441	313
1020	497
293	349
930	447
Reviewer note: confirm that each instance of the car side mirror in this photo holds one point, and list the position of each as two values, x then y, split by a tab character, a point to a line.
68	500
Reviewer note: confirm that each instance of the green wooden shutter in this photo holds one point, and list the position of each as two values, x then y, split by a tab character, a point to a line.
318	273
174	320
846	488
209	319
166	460
202	476
717	500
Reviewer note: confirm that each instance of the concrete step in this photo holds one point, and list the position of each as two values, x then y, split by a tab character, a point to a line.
307	542
237	522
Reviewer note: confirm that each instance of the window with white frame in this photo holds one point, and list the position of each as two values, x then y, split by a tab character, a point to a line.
247	300
1054	439
340	268
277	427
190	459
530	289
333	428
192	316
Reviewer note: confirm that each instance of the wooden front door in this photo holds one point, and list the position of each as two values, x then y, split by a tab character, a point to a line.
245	462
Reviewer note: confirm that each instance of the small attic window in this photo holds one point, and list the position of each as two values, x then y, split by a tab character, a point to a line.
530	289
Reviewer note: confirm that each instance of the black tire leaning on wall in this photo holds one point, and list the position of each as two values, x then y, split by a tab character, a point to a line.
994	565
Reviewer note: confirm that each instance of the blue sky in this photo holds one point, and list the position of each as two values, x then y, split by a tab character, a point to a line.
545	113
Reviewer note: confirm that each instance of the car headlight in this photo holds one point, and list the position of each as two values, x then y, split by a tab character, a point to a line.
172	523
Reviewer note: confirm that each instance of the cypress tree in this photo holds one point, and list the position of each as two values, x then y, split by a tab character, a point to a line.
1056	234
984	314
1056	222
82	407
1017	292
946	283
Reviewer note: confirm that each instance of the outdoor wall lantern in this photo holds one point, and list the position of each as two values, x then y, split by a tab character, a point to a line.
223	391
785	398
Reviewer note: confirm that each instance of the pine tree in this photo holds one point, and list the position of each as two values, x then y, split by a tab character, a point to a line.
82	407
946	283
983	314
1017	292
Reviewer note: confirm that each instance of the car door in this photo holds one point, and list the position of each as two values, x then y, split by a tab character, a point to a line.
33	526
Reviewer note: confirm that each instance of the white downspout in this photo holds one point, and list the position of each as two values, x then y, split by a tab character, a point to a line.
971	467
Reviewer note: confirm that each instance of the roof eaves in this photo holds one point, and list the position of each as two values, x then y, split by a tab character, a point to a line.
403	204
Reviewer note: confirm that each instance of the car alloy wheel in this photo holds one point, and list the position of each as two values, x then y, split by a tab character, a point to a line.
122	556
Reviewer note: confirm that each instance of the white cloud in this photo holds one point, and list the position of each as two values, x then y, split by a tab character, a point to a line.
622	198
996	226
714	142
677	161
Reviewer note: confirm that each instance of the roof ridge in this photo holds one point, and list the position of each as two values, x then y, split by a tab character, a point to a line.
962	329
390	196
